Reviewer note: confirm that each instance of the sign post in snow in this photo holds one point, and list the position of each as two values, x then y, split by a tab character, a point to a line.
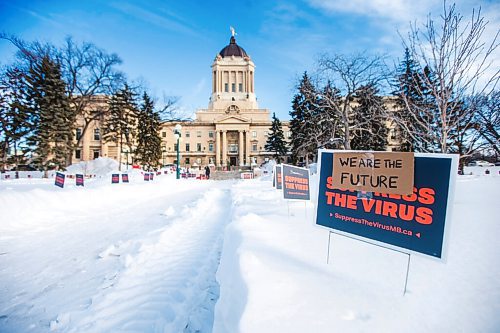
115	178
124	178
277	177
295	183
413	221
59	179
79	180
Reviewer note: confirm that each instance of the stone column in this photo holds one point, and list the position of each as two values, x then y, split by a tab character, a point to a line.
241	146
85	154
247	150
217	148
224	148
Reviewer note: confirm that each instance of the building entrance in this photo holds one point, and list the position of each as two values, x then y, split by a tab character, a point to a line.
232	161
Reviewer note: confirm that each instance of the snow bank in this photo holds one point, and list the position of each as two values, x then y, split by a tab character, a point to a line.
274	277
482	171
100	167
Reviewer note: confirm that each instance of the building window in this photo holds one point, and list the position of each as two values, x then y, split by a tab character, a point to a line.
188	135
211	134
198	134
210	147
226	87
233	87
240	87
198	147
163	134
78	154
233	148
254	134
78	134
187	146
96	154
175	146
97	134
254	147
187	160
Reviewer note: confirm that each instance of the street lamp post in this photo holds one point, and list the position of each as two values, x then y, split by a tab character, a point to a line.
126	152
177	134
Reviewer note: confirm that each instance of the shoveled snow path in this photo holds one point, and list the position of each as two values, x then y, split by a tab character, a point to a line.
168	280
64	264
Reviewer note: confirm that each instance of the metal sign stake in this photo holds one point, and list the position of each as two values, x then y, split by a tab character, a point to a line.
385	247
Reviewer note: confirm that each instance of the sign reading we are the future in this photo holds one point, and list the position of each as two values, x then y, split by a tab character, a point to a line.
382	172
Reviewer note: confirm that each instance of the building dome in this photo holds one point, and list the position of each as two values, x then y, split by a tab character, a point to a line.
233	49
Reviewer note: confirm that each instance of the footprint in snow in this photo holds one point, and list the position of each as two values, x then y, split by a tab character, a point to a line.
169	212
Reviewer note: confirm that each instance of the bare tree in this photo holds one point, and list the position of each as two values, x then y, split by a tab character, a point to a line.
89	72
349	74
487	119
457	63
169	110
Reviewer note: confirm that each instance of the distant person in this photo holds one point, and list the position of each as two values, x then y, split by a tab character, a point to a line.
207	172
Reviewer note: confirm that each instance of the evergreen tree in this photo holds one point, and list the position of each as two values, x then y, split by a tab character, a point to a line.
370	131
412	106
304	106
148	151
120	121
51	114
14	116
276	141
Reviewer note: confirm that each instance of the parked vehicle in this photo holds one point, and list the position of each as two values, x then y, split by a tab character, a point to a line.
481	164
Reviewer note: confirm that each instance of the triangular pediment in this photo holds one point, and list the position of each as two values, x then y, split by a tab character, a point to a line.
232	119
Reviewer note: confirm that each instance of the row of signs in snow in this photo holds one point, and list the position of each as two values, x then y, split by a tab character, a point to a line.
115	178
400	199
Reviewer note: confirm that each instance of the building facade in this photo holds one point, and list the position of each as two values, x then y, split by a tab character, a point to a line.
90	143
232	130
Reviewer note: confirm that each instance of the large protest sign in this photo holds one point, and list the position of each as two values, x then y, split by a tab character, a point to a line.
277	177
295	183
415	221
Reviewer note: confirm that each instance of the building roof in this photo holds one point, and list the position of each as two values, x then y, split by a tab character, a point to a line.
233	49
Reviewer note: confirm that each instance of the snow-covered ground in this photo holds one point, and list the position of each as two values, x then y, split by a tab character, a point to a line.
144	257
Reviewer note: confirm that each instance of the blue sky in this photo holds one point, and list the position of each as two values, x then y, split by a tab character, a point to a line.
172	44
